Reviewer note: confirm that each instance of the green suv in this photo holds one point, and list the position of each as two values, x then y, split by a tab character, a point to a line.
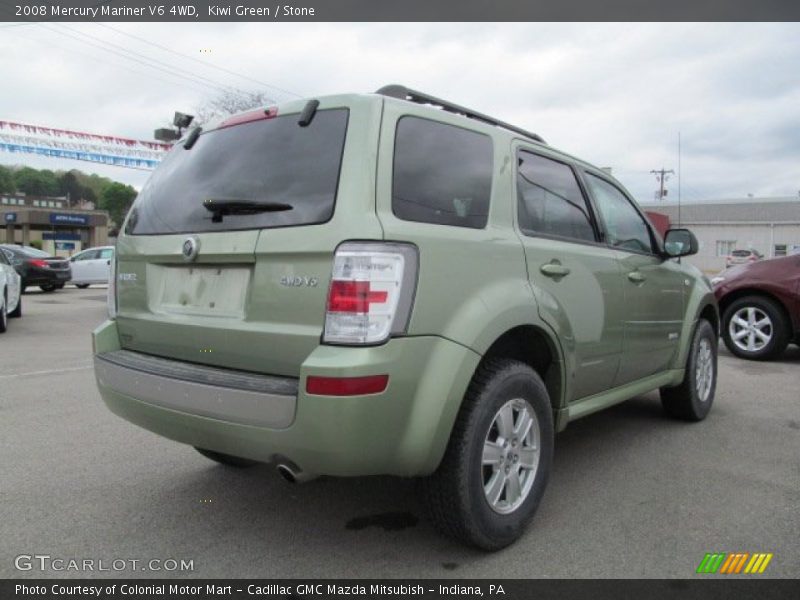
393	284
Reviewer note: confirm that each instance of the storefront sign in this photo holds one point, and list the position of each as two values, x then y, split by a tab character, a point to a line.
64	219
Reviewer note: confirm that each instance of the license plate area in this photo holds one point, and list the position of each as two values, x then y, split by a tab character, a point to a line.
214	291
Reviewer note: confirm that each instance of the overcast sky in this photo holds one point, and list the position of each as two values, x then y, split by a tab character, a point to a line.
615	95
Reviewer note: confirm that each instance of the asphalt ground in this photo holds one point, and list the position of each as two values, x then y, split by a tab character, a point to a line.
632	493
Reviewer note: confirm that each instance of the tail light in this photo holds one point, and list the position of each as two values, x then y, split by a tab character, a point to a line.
371	292
38	262
111	300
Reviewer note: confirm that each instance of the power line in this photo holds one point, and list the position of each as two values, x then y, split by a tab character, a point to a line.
661	175
197	60
118	64
166	69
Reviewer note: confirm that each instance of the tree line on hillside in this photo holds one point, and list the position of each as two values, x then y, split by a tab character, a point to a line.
77	186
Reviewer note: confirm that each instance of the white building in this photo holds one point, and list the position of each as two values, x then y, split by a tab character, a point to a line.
769	225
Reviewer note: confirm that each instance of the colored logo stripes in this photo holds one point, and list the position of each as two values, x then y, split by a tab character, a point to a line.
734	563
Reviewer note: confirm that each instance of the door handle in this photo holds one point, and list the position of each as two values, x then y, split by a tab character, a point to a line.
636	277
554	270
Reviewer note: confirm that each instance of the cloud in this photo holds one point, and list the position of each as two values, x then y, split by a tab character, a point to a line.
614	94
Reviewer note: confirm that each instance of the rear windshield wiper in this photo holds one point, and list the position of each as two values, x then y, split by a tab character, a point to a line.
221	207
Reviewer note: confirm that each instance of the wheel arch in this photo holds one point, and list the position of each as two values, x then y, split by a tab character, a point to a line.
700	305
734	295
532	345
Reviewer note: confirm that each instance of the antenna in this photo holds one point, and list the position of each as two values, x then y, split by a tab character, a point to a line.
679	179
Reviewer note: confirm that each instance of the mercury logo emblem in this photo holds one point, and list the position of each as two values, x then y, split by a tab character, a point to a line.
191	246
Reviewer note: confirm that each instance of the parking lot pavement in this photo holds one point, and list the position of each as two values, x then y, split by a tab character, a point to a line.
632	494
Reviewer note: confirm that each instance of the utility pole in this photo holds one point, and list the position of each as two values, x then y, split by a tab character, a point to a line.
661	175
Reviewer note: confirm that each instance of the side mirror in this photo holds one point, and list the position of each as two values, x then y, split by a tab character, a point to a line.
680	242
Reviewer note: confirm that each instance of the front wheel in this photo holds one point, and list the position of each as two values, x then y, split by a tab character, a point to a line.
3	314
755	328
497	463
48	287
81	286
691	400
17	312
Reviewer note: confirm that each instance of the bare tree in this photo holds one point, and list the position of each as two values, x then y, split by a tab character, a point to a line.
228	103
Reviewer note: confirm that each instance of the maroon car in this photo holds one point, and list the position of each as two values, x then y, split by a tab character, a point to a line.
760	307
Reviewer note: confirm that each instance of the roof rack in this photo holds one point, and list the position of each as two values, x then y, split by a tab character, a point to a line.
404	93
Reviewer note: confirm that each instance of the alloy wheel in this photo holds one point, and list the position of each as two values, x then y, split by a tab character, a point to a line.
750	329
510	459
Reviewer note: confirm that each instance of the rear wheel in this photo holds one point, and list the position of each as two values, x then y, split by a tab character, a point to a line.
692	399
48	287
227	459
756	328
497	463
17	312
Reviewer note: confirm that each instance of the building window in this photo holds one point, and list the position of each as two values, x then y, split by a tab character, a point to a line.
4	200
725	247
780	250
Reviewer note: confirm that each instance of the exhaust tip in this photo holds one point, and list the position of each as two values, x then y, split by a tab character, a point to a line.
287	473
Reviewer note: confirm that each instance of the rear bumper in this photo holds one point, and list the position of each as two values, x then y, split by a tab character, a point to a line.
402	431
45	276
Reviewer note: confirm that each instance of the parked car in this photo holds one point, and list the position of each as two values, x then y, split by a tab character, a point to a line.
91	266
760	306
10	292
742	257
36	267
407	291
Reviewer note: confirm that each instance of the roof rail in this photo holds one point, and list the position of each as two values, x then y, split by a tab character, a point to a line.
404	93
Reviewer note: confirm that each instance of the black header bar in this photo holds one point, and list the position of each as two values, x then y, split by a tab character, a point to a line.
397	10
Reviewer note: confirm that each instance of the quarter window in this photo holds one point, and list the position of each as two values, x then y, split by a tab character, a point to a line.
625	227
442	174
550	201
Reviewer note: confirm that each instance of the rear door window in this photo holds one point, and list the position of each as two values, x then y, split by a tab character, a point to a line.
550	199
442	174
269	161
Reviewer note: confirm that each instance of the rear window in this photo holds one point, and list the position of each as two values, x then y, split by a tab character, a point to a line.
741	252
31	251
272	161
442	174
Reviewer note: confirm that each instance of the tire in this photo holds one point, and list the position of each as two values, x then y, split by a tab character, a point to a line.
3	314
752	311
81	286
48	287
693	398
60	286
455	493
17	312
227	459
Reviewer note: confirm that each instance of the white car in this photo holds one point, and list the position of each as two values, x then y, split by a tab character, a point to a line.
91	266
10	292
